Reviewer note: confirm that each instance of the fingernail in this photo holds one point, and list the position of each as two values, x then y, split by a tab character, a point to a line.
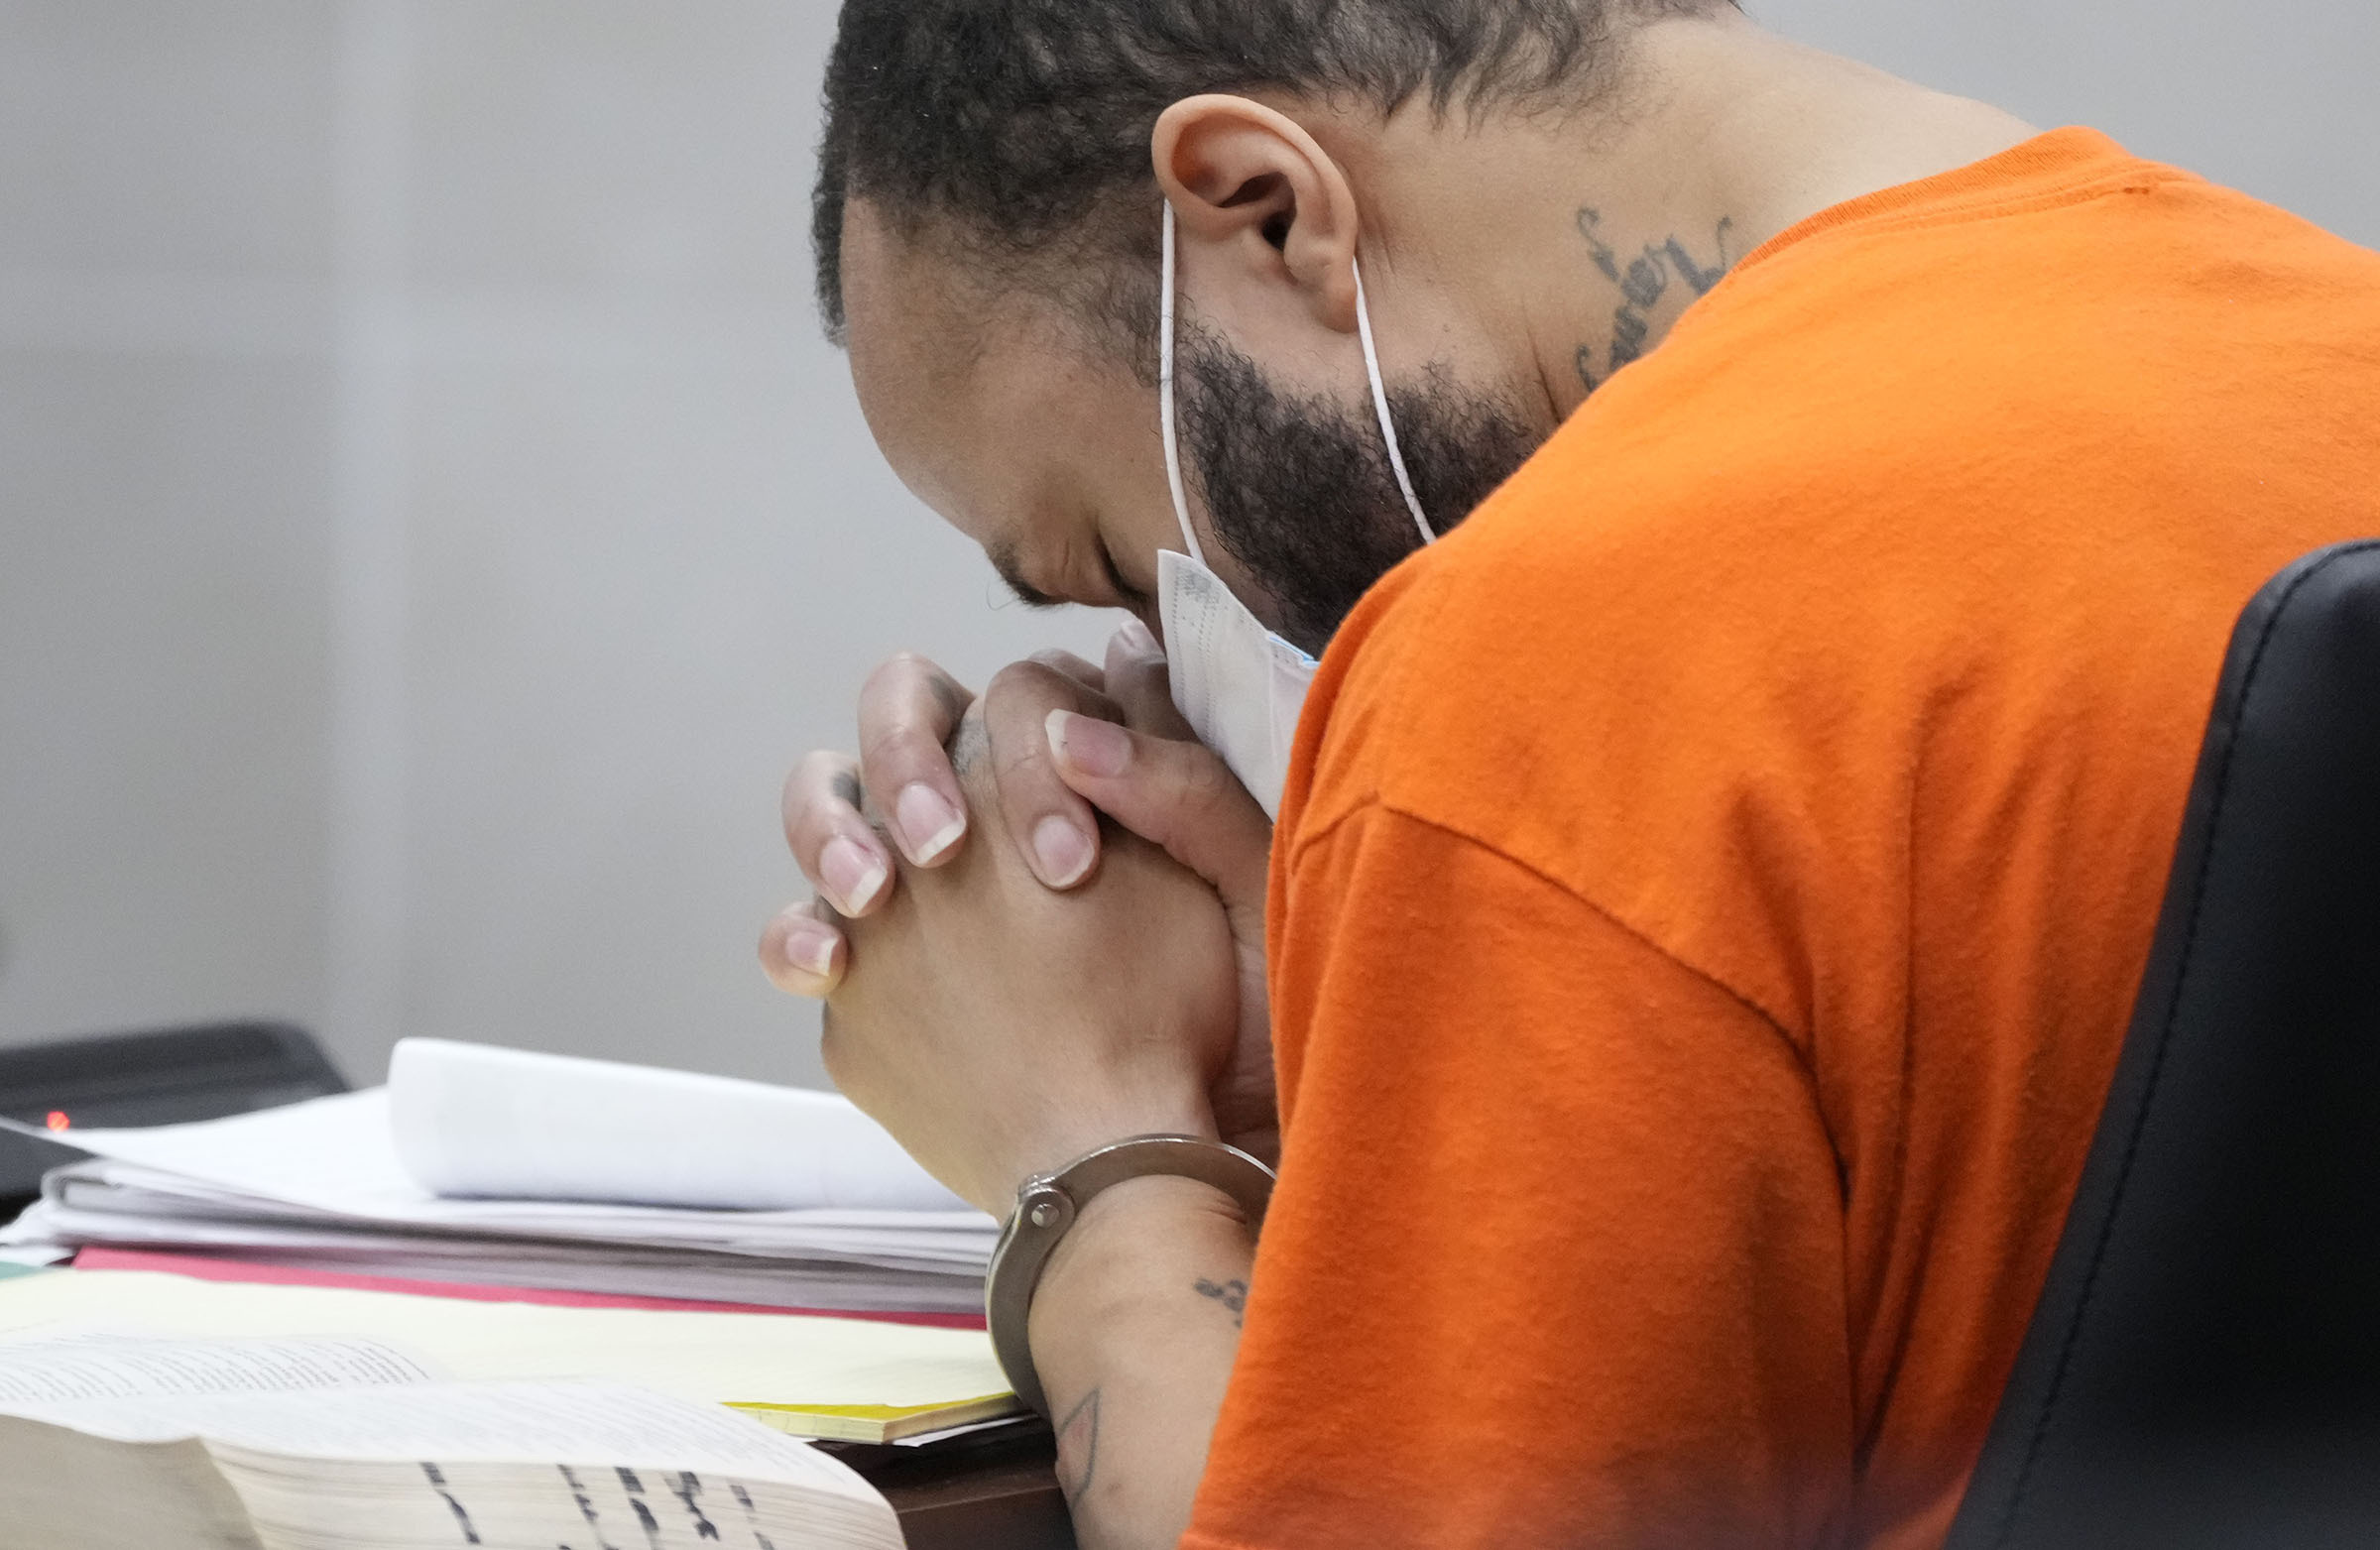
929	823
810	947
1135	638
852	873
1062	851
1088	744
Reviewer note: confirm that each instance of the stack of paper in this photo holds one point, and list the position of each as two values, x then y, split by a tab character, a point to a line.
500	1167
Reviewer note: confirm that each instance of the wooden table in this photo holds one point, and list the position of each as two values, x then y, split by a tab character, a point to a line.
1001	1494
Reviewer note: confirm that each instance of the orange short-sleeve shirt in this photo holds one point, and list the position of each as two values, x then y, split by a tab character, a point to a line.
1714	879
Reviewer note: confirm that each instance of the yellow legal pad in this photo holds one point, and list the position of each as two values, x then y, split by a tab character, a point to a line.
877	1422
863	1380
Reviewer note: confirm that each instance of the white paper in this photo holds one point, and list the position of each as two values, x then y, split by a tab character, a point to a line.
595	1507
622	1465
477	1119
324	1177
836	1281
521	1465
409	1458
330	1153
90	1198
486	1423
104	1367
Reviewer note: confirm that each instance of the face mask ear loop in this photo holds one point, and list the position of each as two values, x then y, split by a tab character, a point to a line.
1380	405
1173	451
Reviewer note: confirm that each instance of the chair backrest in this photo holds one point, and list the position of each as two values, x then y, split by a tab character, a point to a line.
2203	1367
156	1076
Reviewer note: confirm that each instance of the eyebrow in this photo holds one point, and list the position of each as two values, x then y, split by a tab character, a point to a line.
1004	559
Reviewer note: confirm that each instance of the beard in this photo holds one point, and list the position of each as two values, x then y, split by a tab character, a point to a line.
1301	492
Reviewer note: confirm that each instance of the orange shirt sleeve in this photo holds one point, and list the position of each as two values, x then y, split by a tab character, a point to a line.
1455	1340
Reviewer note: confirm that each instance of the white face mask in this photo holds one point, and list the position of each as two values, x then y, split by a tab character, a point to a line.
1238	684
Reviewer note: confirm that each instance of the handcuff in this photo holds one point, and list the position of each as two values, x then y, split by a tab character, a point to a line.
1049	1204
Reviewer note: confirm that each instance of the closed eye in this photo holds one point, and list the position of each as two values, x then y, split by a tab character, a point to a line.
1126	595
1033	597
1121	593
1005	561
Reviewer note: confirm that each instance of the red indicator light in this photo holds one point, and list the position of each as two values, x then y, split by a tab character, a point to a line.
58	1120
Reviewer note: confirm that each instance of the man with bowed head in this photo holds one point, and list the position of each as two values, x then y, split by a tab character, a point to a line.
1769	532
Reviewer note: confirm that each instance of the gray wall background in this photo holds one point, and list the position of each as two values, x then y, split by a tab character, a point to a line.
430	524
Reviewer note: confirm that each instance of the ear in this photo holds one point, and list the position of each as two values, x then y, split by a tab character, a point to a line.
1249	180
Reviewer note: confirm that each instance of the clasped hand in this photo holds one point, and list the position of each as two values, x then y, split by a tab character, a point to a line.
1006	1000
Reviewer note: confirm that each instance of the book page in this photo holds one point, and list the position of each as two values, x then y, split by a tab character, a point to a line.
468	1423
62	1491
547	1506
489	1464
102	1367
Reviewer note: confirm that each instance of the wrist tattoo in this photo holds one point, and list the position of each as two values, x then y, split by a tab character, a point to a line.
1233	1295
1078	1447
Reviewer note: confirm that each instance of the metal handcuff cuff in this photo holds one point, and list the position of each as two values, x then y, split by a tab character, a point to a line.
1047	1205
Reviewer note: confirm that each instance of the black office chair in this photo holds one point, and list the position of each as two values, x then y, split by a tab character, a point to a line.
156	1076
2203	1367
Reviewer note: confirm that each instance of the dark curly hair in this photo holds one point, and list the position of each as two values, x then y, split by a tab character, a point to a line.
1011	125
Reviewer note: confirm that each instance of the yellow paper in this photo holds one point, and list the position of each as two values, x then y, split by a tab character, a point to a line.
878	1422
745	1359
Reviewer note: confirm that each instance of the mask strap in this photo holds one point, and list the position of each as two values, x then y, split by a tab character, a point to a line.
1165	396
1380	406
1173	451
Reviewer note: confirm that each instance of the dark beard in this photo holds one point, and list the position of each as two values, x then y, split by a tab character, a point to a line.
1301	492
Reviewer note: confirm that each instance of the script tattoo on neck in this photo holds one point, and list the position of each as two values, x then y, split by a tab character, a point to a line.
1642	280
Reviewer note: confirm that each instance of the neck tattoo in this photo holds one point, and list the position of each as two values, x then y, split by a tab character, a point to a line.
1643	281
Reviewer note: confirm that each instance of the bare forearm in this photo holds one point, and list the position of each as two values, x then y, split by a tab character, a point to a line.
1134	1331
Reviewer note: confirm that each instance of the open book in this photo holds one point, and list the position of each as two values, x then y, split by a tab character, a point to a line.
323	1444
